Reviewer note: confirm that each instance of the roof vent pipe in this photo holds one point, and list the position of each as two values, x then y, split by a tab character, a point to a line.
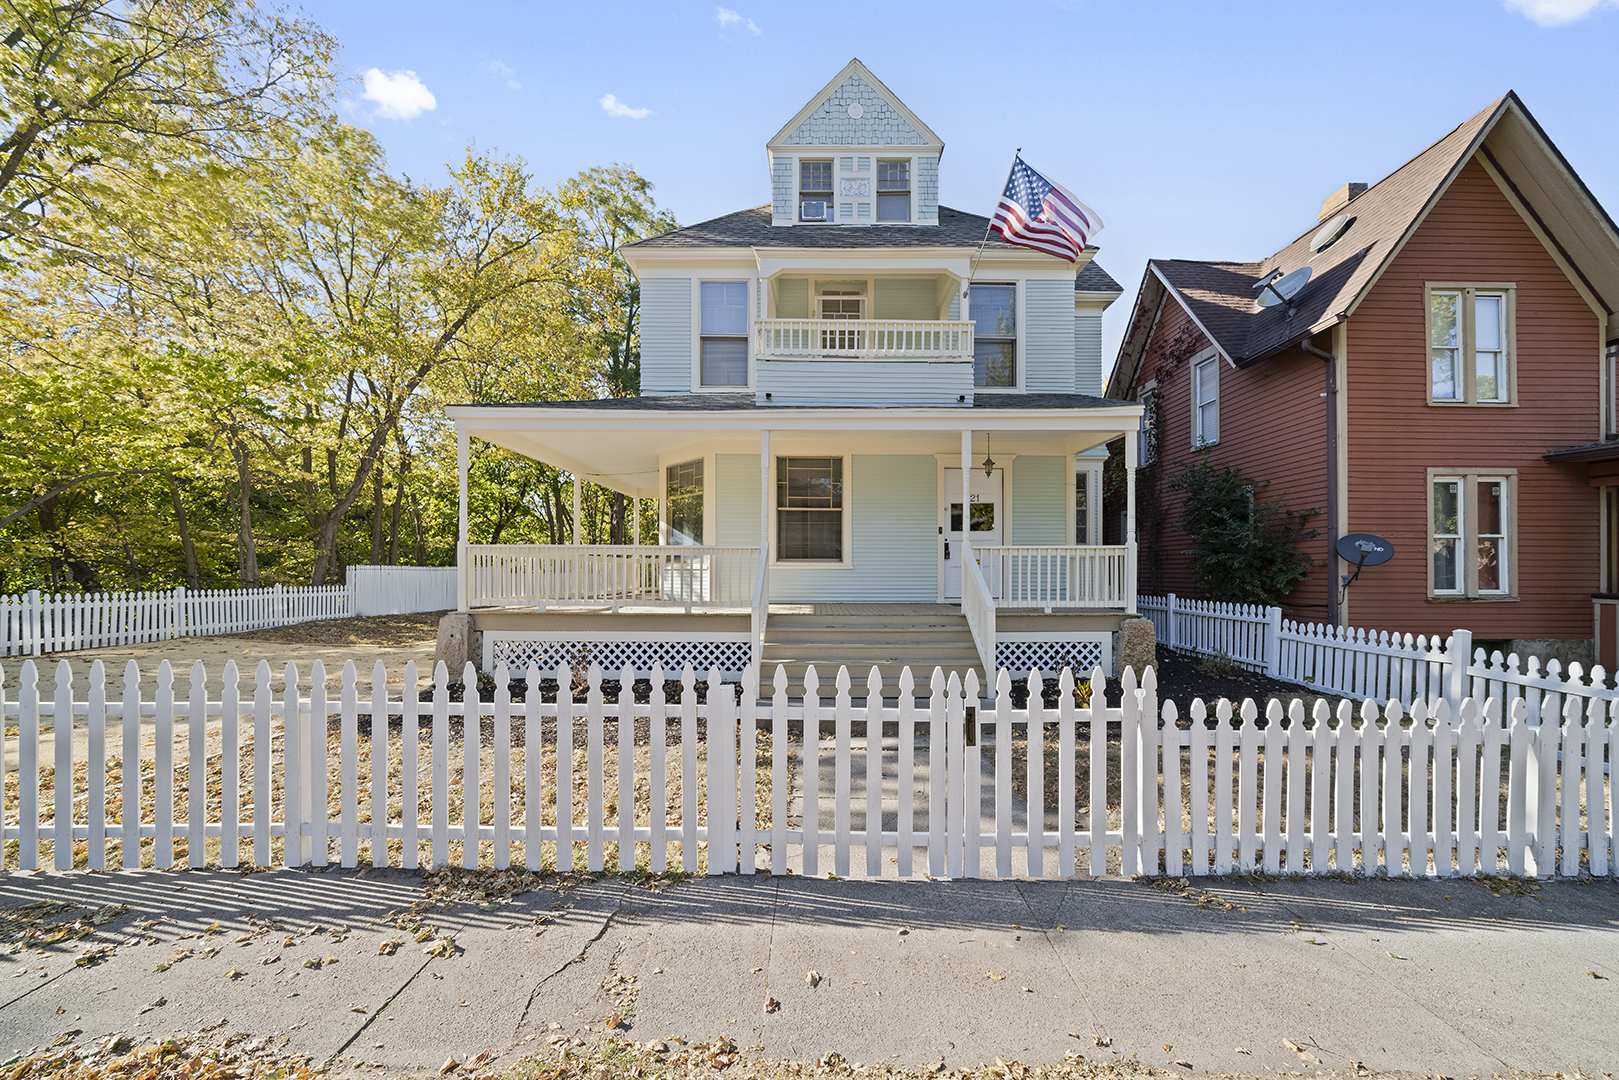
1339	199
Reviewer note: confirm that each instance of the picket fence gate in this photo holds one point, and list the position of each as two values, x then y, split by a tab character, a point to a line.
1437	791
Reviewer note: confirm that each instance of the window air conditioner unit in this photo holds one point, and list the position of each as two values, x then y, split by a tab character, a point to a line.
815	210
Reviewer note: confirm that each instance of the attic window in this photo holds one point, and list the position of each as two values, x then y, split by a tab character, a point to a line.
815	190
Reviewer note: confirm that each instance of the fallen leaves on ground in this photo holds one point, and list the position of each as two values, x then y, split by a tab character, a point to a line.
1181	886
173	1059
444	946
772	1005
812	979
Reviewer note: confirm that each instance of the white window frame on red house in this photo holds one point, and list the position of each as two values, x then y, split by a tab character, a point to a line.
1205	375
1467	539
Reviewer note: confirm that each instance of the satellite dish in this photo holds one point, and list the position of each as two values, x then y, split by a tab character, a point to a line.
1283	289
1362	549
1329	233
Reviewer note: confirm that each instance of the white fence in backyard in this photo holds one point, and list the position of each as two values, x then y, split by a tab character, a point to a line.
35	623
1438	792
1364	664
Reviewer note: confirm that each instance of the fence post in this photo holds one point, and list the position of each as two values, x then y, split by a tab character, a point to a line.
33	624
1169	621
280	605
1457	657
1273	642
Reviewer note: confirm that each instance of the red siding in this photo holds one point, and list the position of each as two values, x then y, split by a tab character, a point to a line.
1473	234
1273	429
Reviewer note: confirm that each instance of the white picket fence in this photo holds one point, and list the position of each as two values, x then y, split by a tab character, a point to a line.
35	623
1442	791
1364	664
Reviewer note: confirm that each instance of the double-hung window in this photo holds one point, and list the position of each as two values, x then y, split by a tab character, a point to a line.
683	499
1469	534
994	315
1470	331
894	190
815	190
809	509
1082	508
1149	425
724	335
1206	401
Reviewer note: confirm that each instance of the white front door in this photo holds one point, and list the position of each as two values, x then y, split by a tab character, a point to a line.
984	517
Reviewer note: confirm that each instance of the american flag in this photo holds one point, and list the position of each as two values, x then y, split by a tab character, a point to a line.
1035	213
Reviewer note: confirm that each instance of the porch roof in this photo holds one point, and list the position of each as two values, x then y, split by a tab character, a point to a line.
620	442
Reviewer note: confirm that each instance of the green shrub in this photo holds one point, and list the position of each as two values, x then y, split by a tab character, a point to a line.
1243	551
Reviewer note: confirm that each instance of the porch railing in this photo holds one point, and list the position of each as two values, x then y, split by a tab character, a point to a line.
978	605
559	574
815	339
1074	576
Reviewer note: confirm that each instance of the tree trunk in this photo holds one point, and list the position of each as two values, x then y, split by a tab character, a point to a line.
393	521
182	522
376	518
421	531
248	558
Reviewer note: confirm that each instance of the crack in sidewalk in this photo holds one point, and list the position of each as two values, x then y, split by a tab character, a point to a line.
389	1000
578	958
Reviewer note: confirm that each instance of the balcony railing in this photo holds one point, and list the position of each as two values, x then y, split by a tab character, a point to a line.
862	339
1070	577
505	575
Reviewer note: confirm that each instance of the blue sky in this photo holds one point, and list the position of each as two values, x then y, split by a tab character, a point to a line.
1197	130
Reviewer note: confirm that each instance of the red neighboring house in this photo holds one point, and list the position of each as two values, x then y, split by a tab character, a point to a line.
1444	378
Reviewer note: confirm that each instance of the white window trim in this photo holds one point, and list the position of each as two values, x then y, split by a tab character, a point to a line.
1469	479
1508	290
697	386
1091	469
877	159
847	562
1210	356
665	530
1019	294
831	196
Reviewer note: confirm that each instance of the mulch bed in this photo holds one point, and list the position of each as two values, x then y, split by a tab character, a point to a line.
395	631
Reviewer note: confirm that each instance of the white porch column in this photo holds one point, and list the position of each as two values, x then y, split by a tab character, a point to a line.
635	520
463	456
1132	450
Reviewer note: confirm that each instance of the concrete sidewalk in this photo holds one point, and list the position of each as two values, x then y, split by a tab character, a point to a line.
1416	977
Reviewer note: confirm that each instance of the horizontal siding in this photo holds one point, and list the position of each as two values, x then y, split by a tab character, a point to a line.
863	383
736	500
1048	336
905	298
792	299
1088	354
1273	424
666	336
895	503
1473	234
1040	493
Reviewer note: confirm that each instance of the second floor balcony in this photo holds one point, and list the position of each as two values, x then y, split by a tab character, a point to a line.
863	339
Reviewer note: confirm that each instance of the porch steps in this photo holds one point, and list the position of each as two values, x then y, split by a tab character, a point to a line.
890	641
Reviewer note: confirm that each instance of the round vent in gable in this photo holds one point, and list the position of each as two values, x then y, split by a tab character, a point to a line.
856	110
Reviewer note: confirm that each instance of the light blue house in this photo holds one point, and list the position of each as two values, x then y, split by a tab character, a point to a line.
874	438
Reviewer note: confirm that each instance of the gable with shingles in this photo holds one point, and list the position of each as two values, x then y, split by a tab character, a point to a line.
880	124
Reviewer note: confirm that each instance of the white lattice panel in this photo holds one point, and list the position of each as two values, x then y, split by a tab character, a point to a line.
518	652
1050	657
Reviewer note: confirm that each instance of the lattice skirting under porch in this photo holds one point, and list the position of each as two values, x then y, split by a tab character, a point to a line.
730	653
1019	653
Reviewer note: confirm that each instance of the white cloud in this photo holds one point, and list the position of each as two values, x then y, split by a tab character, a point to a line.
399	95
617	108
728	18
1555	12
495	67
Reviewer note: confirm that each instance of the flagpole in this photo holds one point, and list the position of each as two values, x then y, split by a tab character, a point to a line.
973	269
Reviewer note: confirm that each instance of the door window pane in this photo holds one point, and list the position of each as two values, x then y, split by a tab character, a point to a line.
983	517
684	493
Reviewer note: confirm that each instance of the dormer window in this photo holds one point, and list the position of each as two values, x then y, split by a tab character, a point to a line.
815	191
894	190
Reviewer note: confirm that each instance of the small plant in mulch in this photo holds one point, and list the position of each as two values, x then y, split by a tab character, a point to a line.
1507	885
1050	693
519	690
1180	886
1218	665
